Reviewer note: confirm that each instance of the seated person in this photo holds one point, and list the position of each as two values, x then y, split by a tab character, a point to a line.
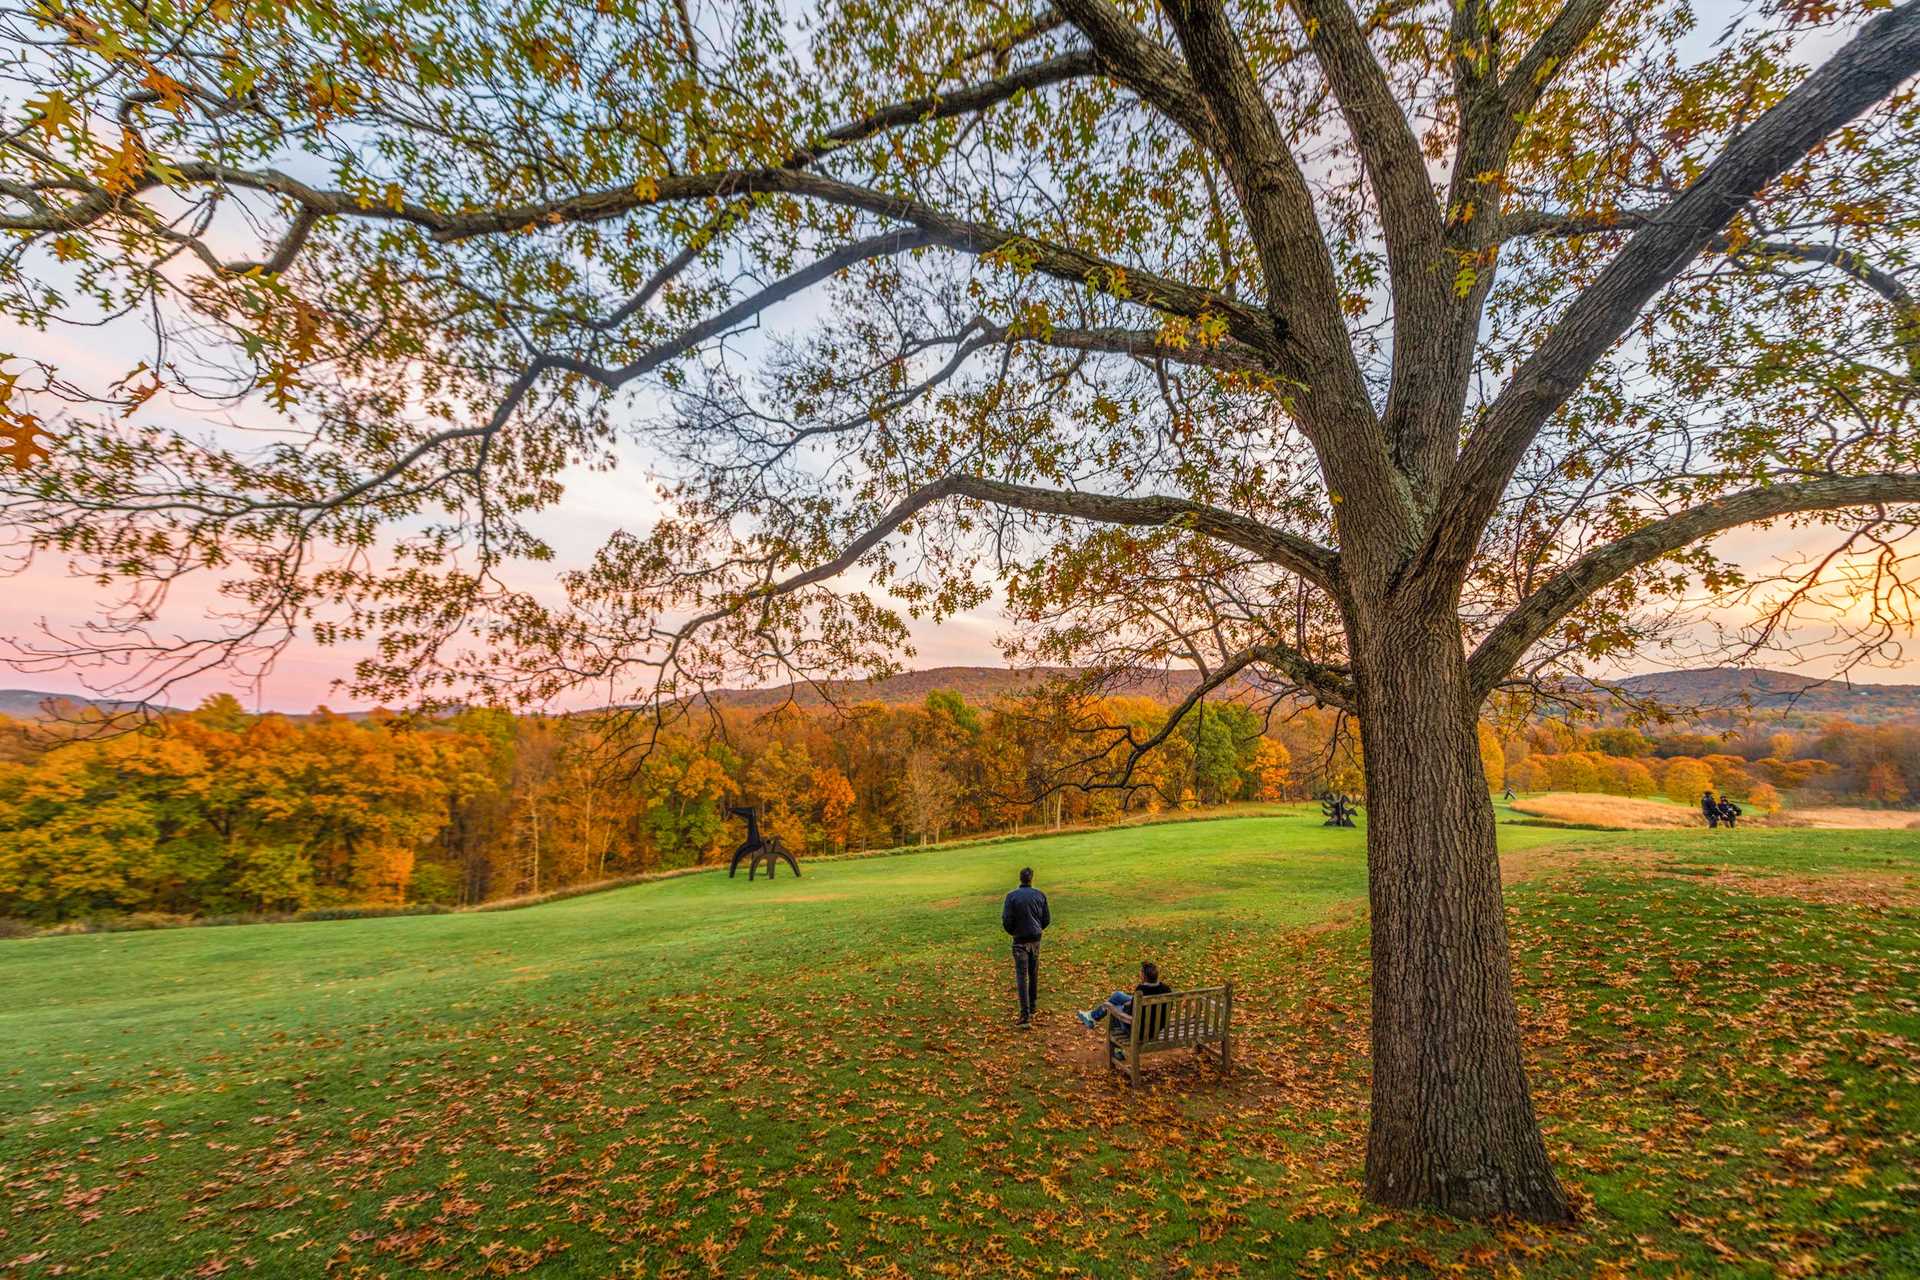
1120	1003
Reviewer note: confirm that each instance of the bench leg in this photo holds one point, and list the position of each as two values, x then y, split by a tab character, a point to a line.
1226	1055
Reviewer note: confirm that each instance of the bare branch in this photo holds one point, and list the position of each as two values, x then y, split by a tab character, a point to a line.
1300	555
969	100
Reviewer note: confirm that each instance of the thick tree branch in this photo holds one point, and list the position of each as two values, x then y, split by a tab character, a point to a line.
1302	287
1522	88
93	202
1429	358
1225	356
1409	214
1300	555
1884	53
1540	612
1062	262
1303	556
1143	66
1437	323
1849	262
1492	110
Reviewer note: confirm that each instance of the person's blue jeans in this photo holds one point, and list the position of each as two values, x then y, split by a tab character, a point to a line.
1121	1000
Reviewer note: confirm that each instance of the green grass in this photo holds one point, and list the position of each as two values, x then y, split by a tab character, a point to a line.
819	1077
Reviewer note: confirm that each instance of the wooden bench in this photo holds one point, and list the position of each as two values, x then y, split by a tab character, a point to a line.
1177	1020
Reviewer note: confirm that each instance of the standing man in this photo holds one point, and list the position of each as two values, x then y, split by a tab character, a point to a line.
1710	808
1024	916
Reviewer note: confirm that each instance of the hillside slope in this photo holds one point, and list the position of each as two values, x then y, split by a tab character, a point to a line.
819	1077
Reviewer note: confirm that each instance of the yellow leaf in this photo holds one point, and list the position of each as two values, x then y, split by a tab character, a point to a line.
54	112
126	167
17	440
172	94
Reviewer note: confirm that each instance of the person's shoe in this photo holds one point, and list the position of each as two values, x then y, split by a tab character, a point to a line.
1086	1019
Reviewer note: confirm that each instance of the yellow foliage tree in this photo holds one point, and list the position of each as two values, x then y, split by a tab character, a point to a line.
1272	770
1686	779
1493	757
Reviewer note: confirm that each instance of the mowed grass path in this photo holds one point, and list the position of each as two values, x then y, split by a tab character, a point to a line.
820	1077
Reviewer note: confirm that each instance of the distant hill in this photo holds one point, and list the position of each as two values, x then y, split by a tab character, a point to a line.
1716	693
38	704
975	684
1734	690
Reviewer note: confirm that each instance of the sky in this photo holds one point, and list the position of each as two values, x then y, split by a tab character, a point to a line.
597	504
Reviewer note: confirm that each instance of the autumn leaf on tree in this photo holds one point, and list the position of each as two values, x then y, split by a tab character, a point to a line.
125	167
53	111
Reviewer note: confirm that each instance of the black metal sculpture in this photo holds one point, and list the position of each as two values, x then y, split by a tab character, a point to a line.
757	847
1338	810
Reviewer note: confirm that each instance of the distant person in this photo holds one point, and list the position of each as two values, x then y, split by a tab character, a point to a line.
1120	1003
1729	813
1025	917
1508	797
1710	808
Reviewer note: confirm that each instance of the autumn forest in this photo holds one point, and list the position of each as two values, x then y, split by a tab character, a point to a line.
217	812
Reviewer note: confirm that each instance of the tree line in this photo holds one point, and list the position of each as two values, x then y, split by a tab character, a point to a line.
1835	761
217	811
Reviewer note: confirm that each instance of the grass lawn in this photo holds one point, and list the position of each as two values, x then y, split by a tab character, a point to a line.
820	1077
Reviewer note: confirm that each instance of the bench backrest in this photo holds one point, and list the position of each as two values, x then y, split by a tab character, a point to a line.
1182	1018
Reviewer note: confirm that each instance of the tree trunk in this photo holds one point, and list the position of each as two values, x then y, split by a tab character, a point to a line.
1452	1127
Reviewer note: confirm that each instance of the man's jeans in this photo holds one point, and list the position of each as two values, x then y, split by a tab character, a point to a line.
1026	975
1118	1002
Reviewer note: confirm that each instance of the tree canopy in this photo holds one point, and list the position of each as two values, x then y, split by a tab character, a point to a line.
1118	308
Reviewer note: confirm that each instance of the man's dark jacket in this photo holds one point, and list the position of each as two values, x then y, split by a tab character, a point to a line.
1024	914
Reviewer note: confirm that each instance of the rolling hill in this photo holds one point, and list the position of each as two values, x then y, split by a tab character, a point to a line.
39	704
1732	691
1715	693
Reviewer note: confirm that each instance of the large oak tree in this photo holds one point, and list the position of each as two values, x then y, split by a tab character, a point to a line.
1388	355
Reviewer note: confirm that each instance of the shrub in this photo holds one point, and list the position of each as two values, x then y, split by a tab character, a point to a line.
435	883
370	913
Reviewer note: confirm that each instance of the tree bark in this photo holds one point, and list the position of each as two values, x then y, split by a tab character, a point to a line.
1452	1125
